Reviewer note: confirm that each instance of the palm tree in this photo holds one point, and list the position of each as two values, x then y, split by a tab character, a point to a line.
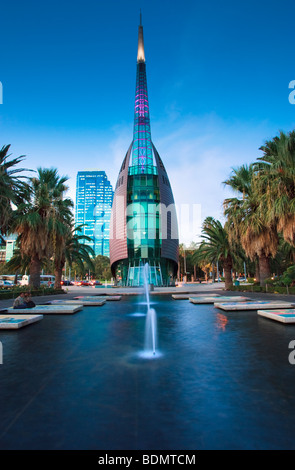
74	250
10	186
276	183
39	220
181	272
247	221
285	257
216	246
18	263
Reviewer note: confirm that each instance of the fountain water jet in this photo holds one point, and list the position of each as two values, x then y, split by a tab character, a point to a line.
151	331
151	320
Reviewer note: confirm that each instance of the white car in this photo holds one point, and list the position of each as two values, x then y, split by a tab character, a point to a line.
6	284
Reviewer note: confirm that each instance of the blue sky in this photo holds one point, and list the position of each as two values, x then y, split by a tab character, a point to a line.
218	76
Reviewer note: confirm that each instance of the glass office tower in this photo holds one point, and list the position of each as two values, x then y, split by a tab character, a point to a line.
143	222
94	197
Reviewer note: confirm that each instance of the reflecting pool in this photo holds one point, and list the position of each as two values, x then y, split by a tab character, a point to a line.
217	380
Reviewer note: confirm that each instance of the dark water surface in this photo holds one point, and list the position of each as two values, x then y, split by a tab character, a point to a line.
219	381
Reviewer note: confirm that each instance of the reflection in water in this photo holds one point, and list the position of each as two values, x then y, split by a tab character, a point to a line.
137	314
221	321
207	389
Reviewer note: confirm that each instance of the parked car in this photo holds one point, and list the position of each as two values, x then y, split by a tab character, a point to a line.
6	284
95	283
66	282
83	283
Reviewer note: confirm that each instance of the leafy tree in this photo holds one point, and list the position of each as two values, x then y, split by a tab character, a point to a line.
39	219
247	222
289	276
216	246
75	250
11	186
102	268
276	183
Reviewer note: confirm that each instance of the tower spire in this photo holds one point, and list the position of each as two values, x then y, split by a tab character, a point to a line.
142	153
140	50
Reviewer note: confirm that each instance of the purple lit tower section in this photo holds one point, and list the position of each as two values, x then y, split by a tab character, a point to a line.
142	152
143	223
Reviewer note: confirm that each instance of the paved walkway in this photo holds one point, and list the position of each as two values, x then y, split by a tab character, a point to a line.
73	291
189	288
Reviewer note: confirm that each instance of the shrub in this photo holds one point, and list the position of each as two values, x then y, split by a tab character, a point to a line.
288	278
15	291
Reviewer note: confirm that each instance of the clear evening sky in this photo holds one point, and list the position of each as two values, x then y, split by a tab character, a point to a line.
218	76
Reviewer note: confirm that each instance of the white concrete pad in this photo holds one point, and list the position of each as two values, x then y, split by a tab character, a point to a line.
187	296
47	310
213	299
97	297
83	302
14	322
254	305
282	315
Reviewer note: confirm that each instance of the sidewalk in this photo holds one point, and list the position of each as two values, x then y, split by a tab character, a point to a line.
74	291
189	288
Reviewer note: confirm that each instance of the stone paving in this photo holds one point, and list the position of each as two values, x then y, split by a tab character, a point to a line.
190	288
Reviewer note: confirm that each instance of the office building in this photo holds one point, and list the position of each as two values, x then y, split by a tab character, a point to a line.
94	197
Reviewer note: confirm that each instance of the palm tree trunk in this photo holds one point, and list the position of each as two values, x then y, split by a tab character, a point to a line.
257	273
264	269
58	275
35	271
227	274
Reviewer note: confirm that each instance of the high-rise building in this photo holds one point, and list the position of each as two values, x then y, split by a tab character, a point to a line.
7	246
94	197
143	224
10	246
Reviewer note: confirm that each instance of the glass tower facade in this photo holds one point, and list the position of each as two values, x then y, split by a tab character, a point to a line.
94	197
143	232
142	153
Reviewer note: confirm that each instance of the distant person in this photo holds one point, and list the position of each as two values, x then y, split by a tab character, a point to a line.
20	302
28	301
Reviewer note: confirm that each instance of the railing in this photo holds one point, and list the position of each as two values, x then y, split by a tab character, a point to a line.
145	170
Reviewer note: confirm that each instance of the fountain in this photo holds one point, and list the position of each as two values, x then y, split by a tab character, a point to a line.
151	320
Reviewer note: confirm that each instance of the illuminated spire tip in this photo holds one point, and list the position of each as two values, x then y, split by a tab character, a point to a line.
140	51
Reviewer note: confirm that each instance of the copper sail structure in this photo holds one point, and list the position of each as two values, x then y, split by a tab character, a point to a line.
143	222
